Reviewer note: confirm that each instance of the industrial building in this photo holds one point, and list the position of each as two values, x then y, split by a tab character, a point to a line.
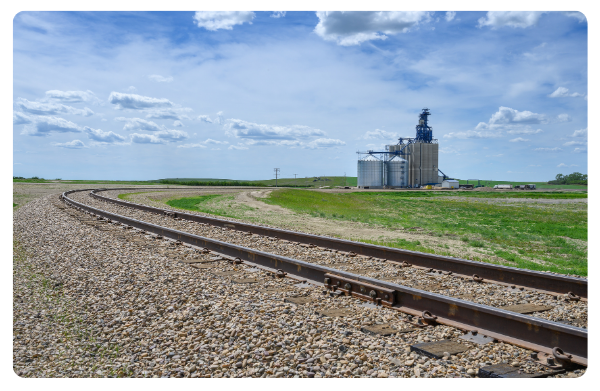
413	162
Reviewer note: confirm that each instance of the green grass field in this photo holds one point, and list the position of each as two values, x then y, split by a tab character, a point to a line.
539	185
534	236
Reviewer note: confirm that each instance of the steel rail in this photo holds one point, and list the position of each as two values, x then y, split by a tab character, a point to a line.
521	330
502	274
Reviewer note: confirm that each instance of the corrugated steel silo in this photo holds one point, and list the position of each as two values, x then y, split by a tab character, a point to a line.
396	172
370	172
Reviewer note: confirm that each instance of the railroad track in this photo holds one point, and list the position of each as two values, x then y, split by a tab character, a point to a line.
565	345
510	276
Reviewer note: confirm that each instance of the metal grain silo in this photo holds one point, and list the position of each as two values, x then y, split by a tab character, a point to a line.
396	172
370	172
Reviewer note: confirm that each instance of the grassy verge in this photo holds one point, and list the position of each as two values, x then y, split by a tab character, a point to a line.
534	236
215	204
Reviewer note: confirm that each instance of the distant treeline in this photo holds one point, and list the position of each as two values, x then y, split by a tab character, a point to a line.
211	183
575	178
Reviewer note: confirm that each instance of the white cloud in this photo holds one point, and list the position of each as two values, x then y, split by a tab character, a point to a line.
321	143
580	150
562	92
131	89
238	147
555	149
211	141
103	137
521	19
137	102
576	14
450	15
139	124
215	20
570	143
43	126
40	108
172	135
379	134
146	139
199	145
472	134
562	165
75	144
162	137
524	130
498	155
205	118
518	140
563	118
173	114
580	133
178	124
252	131
278	14
71	96
348	28
508	116
21	119
161	79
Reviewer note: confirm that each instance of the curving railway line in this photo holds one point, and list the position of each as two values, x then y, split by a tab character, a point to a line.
559	345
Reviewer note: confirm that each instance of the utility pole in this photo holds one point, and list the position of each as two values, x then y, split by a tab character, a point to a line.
276	172
295	181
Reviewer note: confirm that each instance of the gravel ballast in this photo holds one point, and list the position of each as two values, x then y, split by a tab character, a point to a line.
100	300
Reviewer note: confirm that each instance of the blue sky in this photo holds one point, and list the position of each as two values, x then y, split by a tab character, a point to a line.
149	95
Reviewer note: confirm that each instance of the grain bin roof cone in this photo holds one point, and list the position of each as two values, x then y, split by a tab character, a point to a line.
370	172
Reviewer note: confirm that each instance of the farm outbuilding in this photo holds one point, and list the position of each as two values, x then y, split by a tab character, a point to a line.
450	184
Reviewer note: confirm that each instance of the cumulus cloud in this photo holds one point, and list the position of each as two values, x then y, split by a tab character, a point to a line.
576	14
571	143
161	79
562	165
71	96
103	137
43	126
379	134
252	131
521	19
173	114
41	108
203	144
277	14
215	20
162	137
580	133
21	119
131	89
178	124
563	118
75	144
450	15
324	143
137	102
562	92
205	118
518	140
348	28
555	149
580	150
139	124
508	116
